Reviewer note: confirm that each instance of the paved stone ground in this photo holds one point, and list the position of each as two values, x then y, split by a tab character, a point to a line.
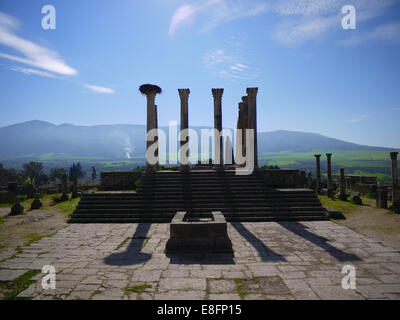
288	260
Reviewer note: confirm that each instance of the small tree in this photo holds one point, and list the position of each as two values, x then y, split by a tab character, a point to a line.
56	174
33	170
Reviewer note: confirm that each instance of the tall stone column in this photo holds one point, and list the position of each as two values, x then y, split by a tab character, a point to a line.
252	116
64	194
156	138
342	186
329	170
395	195
184	96
217	94
150	91
318	179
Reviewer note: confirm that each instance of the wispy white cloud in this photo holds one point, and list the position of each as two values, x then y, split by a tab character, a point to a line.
309	20
227	66
214	12
32	54
30	71
354	120
99	89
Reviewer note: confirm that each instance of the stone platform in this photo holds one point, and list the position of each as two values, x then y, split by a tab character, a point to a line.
271	260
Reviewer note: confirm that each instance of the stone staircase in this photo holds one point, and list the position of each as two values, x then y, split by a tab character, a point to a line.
161	194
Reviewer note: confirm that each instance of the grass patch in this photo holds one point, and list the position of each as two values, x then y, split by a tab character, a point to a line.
1	220
342	206
138	289
122	243
15	287
240	286
68	206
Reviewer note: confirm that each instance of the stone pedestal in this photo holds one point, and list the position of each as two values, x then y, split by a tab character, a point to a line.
17	208
381	198
318	185
36	204
356	199
199	235
342	186
217	95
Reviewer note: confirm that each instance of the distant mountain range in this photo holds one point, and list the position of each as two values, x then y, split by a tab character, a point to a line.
123	141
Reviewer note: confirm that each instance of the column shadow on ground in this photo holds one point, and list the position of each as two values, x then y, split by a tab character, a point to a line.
133	254
265	253
322	242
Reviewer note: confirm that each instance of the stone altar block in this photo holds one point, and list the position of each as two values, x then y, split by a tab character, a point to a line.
191	234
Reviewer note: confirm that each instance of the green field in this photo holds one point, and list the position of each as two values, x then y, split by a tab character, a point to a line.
363	162
368	163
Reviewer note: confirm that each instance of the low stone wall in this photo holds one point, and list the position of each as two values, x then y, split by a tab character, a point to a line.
119	180
283	178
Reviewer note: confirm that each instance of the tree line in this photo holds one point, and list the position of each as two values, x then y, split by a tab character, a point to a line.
33	172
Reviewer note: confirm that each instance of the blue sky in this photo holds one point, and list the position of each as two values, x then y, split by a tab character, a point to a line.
312	75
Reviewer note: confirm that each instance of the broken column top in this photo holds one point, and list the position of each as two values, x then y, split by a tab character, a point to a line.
245	99
149	89
184	93
217	93
252	91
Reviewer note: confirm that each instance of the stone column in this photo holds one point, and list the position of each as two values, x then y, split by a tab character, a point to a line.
217	94
318	174
156	138
309	181
381	197
64	195
342	186
74	188
329	170
252	116
395	195
151	119
184	96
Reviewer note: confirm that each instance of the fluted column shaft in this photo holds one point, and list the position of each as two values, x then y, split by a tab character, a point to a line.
217	94
318	169
252	116
329	170
395	195
151	119
184	96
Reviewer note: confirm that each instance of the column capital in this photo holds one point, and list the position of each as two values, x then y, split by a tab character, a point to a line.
217	93
393	155
245	99
328	155
184	93
317	155
252	92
